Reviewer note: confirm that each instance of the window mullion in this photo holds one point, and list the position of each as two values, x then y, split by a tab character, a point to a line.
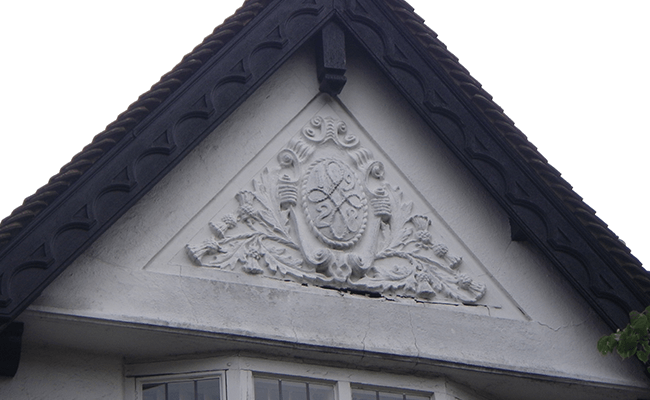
343	390
239	385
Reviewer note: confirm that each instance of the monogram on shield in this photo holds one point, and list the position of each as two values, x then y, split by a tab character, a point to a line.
335	202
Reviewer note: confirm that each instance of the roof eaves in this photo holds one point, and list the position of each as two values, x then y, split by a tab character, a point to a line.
607	242
619	252
68	216
32	206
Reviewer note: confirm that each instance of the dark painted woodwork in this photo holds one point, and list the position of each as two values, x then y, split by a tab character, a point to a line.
331	59
160	141
11	340
516	233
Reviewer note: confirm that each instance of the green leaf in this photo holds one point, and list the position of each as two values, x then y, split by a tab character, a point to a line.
641	323
634	339
645	345
627	345
607	344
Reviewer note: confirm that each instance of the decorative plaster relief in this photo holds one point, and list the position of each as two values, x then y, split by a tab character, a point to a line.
324	215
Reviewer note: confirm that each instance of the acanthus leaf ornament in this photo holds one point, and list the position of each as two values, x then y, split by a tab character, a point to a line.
324	215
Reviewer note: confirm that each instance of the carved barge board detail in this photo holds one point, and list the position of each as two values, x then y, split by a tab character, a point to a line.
442	93
324	214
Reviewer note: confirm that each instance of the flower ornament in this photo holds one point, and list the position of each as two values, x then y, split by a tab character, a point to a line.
325	213
424	287
422	234
251	263
440	250
207	248
253	253
424	239
230	221
219	229
246	212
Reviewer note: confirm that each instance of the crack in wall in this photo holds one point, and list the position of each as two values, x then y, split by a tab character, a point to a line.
293	329
415	339
195	316
363	341
572	324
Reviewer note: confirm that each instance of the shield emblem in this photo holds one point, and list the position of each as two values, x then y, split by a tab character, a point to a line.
334	203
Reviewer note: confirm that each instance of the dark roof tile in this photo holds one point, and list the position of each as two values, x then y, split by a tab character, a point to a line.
149	101
115	131
617	249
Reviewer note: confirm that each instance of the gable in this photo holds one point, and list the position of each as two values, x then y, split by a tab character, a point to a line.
138	277
162	139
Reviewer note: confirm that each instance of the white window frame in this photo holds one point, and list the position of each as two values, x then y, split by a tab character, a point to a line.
182	377
237	375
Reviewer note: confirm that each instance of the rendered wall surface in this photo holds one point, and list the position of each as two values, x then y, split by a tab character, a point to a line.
60	373
137	286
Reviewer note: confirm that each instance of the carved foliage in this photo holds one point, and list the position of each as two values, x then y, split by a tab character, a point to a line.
324	215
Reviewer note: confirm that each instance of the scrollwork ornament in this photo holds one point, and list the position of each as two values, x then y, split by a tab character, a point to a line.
287	158
332	220
320	130
376	170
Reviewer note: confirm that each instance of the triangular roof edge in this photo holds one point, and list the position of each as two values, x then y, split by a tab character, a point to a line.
615	247
103	142
586	215
593	259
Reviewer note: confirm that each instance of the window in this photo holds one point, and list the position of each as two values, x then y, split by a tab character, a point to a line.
366	394
282	389
292	388
197	389
241	378
180	386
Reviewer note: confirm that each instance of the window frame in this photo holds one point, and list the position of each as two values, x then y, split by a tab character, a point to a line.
392	390
237	374
180	377
295	379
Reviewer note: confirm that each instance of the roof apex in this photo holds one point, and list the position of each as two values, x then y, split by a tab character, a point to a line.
598	264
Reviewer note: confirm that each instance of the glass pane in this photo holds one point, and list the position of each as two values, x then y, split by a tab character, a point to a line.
360	394
390	396
267	389
411	397
154	391
294	390
321	392
180	391
208	389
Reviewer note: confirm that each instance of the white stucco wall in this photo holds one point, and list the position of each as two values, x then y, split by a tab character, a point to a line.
131	286
62	373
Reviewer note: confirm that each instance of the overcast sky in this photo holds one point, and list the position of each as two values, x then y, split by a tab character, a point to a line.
573	75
